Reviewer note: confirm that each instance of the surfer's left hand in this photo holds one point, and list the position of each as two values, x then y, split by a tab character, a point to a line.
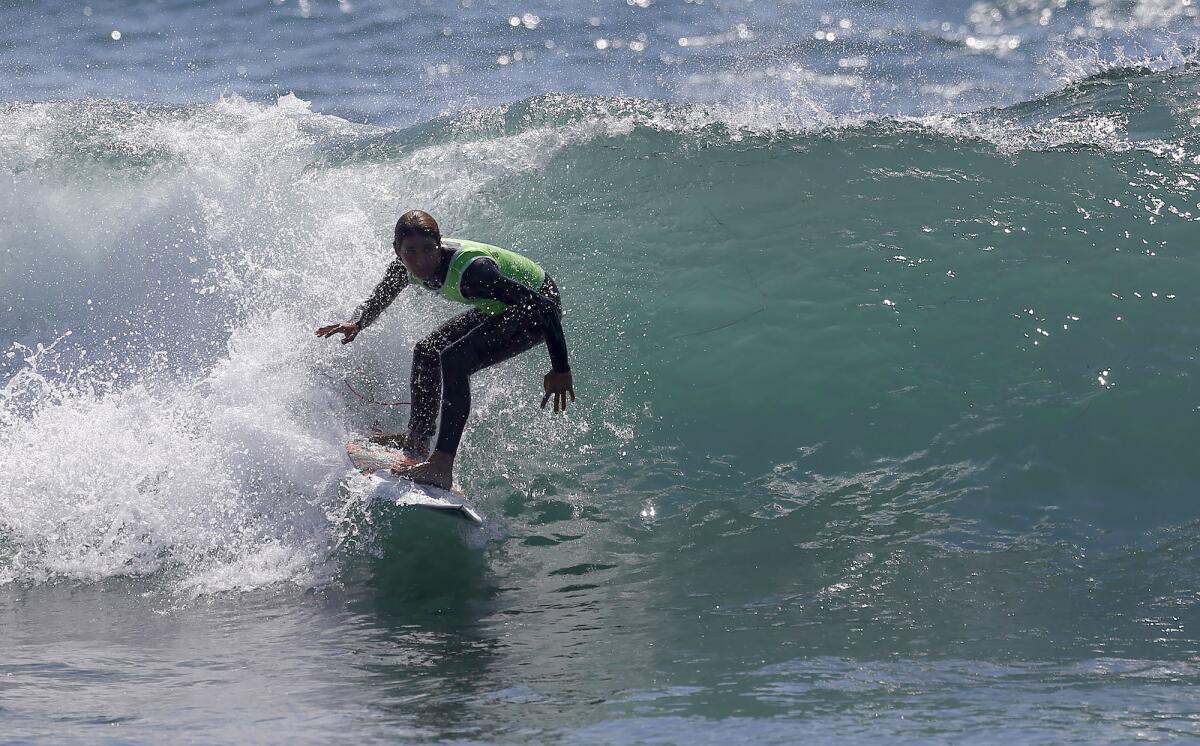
558	385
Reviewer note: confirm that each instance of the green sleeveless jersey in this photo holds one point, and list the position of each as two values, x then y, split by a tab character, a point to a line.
512	265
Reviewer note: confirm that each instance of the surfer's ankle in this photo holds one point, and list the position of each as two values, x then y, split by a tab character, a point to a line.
415	447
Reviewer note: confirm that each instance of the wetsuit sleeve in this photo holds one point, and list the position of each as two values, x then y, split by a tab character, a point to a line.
394	280
483	279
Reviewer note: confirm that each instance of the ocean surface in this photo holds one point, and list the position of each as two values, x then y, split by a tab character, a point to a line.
884	321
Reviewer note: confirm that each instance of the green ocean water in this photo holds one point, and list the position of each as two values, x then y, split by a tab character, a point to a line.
885	425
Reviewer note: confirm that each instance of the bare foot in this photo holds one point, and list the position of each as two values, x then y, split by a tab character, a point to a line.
412	447
391	440
438	471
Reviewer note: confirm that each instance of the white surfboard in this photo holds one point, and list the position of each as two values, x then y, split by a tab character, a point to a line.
376	460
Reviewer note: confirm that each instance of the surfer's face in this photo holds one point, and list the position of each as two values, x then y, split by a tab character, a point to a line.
420	255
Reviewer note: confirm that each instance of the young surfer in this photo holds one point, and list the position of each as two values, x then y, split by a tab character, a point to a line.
515	306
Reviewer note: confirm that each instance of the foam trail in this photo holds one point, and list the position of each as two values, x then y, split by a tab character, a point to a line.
188	430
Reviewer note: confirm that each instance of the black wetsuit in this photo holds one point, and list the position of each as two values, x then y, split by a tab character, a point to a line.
468	342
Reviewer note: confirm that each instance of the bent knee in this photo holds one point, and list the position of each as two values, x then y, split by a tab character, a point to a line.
459	356
428	348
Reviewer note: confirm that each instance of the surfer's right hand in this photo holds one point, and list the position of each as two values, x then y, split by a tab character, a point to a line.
348	331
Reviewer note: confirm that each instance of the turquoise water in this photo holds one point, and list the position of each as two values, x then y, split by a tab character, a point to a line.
885	407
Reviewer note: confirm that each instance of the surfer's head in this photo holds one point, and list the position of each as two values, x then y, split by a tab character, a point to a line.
418	243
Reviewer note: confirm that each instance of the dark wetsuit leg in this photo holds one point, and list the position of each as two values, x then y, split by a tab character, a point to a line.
495	340
426	381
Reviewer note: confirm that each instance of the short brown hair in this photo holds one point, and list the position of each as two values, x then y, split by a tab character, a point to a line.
417	223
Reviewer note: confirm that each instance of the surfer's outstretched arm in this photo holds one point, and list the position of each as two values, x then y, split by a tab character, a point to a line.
394	280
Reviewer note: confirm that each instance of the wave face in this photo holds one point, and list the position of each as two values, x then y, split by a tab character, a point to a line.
900	383
980	321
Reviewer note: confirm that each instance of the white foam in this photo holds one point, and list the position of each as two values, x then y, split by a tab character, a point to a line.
228	476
